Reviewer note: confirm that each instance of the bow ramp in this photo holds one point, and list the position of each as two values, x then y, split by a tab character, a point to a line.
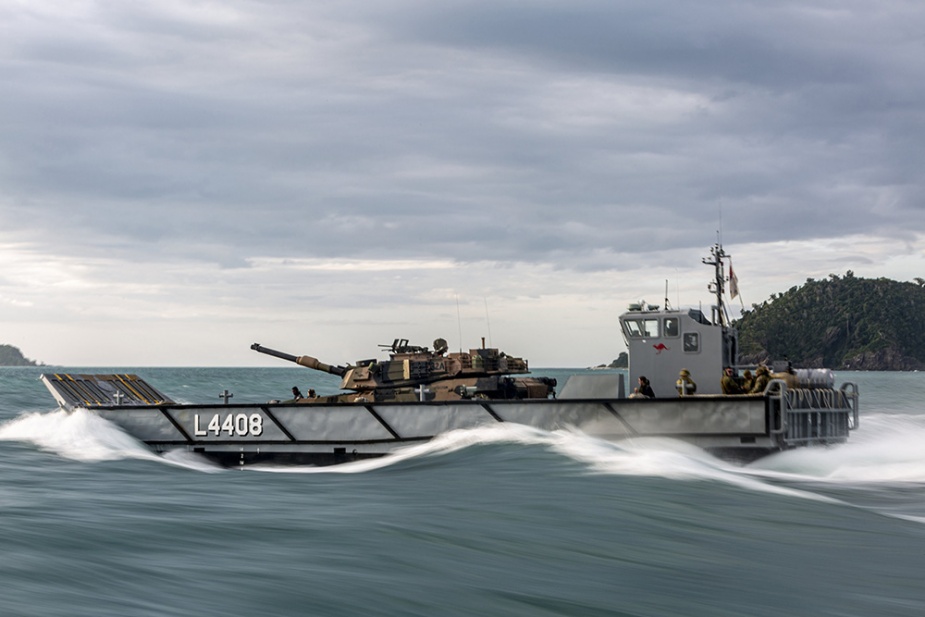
74	391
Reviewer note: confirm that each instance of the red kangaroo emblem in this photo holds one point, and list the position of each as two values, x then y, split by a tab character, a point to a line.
660	348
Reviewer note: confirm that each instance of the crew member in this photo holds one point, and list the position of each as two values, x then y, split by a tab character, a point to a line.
729	383
644	390
748	380
762	377
296	393
685	384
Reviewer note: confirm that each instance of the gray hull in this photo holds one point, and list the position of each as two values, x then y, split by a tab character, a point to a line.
737	427
742	428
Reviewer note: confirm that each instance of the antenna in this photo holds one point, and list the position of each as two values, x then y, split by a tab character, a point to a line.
667	303
459	323
487	321
677	286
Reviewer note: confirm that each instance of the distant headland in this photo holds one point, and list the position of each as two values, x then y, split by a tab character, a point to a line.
11	356
842	322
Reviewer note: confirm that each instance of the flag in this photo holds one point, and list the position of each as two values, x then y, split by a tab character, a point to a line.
733	282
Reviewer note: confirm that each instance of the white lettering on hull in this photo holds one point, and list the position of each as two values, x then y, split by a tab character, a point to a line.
232	425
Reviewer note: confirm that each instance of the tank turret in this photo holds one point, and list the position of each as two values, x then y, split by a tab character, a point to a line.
414	373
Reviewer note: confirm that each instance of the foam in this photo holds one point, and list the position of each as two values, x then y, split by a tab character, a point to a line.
83	436
887	450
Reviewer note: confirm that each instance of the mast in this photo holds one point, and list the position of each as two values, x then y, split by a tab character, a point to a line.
718	285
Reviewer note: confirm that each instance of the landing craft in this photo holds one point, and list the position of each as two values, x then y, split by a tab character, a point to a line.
419	393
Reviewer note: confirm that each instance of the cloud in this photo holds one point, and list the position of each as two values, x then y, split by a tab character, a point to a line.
176	163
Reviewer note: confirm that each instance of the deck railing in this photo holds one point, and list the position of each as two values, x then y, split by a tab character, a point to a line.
803	416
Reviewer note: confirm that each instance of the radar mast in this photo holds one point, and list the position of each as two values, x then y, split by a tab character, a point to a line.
718	285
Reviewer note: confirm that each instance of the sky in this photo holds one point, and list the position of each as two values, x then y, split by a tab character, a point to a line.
182	178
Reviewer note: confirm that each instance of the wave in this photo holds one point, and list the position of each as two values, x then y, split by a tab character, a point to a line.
651	457
887	450
86	437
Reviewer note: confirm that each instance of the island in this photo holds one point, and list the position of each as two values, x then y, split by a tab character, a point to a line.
842	322
12	356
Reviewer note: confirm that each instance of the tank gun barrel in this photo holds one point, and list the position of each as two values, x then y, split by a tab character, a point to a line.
306	361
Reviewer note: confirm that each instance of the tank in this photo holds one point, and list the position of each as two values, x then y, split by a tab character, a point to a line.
414	373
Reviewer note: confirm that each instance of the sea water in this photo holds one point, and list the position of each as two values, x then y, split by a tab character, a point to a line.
504	520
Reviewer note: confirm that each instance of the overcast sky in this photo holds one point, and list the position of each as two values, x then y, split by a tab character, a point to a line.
180	179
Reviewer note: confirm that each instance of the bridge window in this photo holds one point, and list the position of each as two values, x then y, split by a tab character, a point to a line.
641	328
671	327
691	342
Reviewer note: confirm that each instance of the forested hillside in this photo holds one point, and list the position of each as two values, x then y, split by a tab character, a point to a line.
11	356
840	322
